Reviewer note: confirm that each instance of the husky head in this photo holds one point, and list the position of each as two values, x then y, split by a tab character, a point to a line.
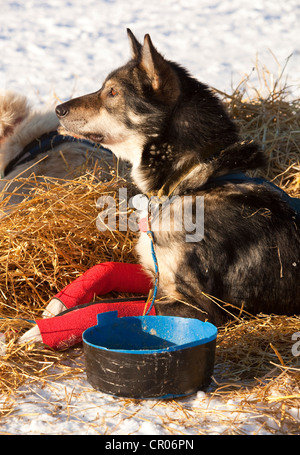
152	113
131	105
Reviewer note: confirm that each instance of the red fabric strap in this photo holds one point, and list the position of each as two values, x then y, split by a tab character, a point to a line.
61	332
104	278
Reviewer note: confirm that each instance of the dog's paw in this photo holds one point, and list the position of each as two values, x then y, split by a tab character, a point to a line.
53	308
31	336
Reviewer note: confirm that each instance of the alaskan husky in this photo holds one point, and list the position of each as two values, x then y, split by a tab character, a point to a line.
181	142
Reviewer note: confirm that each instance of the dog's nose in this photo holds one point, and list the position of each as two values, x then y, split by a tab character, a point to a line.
62	110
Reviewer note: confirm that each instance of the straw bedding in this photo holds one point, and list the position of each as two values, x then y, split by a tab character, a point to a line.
51	238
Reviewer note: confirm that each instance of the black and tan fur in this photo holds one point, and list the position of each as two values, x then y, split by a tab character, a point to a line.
178	136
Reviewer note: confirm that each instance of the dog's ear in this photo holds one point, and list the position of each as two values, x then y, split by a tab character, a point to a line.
152	62
160	72
14	108
135	46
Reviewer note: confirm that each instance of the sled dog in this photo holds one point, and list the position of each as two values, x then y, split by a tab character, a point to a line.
181	142
31	144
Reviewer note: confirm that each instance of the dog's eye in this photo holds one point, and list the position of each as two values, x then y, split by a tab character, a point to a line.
113	92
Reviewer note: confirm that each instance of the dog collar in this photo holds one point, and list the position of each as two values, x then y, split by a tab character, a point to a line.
236	178
42	144
240	177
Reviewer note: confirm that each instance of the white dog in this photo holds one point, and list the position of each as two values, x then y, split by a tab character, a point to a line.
30	143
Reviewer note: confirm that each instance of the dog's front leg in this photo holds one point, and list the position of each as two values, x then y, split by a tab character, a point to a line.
202	309
179	309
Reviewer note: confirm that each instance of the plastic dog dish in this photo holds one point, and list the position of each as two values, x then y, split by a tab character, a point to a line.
149	356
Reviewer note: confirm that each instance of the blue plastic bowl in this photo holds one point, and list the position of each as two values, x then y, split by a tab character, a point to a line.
149	356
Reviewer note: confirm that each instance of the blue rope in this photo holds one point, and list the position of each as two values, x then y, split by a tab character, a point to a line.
20	319
150	234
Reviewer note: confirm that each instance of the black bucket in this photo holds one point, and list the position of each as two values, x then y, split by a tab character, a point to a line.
149	356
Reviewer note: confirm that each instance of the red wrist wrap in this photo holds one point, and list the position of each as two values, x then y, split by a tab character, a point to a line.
61	332
104	278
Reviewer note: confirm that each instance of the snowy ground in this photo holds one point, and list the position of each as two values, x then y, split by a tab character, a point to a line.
62	48
67	47
73	407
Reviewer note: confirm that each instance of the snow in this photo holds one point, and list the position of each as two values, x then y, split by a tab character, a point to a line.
73	407
56	49
67	48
